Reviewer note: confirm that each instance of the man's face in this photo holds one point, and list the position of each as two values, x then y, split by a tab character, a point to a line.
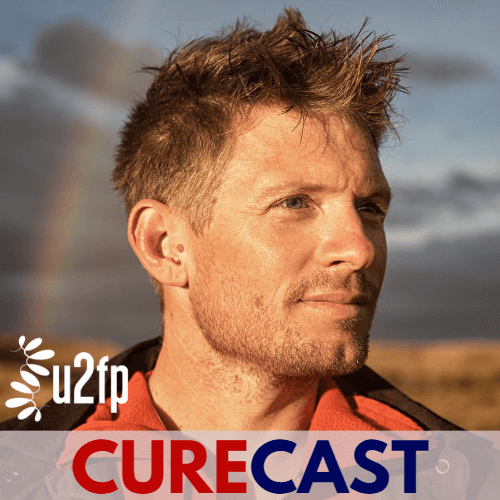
287	276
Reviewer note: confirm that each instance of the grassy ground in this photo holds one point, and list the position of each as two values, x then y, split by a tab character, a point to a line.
459	381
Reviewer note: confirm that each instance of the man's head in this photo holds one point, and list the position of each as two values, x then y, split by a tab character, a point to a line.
262	149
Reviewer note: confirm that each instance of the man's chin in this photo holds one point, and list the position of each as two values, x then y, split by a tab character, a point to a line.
316	360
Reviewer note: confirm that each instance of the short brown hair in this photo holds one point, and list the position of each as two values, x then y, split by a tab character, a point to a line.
173	145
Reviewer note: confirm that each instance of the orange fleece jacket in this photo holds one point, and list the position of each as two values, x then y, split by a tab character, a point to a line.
334	412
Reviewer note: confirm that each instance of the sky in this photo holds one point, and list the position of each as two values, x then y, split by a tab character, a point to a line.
69	74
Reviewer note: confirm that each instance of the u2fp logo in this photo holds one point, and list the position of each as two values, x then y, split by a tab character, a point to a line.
31	385
102	368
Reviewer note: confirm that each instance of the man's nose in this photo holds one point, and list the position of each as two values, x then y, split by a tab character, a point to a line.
345	242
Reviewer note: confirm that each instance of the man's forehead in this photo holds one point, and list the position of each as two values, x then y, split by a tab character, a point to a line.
271	124
275	151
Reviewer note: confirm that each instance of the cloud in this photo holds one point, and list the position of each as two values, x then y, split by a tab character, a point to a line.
82	55
443	290
441	69
59	127
445	69
34	137
34	145
462	200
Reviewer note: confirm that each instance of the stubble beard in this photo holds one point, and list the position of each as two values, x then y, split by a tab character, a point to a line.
243	331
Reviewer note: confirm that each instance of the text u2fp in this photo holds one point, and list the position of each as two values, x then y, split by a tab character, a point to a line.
115	371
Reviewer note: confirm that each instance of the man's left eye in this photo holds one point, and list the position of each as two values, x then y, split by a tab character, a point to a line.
372	208
296	202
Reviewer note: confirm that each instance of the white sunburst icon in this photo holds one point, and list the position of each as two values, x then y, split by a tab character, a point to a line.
29	378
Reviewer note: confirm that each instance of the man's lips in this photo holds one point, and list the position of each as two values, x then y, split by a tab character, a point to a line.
340	304
338	297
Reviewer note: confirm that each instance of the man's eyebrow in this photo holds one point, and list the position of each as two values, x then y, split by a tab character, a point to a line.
375	189
291	187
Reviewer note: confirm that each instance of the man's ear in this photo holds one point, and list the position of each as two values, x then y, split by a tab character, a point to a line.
154	234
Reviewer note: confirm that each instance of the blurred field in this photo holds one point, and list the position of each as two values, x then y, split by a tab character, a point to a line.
459	381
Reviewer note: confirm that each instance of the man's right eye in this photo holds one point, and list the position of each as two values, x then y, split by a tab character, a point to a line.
293	203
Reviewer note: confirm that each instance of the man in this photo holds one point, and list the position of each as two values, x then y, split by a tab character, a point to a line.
256	203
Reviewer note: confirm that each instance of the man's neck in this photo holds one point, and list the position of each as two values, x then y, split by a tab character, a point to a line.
194	389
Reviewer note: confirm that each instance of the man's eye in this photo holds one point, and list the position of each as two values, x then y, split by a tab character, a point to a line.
373	208
294	203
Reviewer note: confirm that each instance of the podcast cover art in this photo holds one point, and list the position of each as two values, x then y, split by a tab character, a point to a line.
250	217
